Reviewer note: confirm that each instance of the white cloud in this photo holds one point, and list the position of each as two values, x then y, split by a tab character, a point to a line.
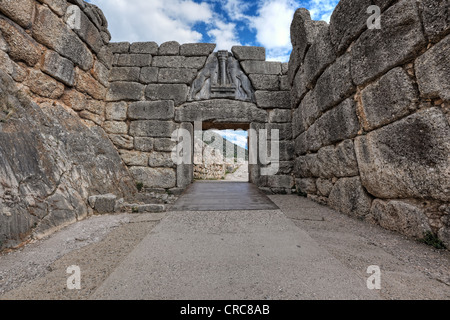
224	35
156	20
237	137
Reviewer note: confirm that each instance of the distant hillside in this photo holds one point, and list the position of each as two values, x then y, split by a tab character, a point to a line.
226	144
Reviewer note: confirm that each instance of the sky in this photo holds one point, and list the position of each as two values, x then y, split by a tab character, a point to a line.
227	23
238	137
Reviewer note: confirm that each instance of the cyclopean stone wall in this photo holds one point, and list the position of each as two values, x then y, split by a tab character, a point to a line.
371	113
155	90
53	154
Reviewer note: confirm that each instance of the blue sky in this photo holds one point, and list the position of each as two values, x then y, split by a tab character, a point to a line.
224	22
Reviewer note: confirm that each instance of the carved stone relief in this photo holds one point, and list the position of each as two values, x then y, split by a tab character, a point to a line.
222	78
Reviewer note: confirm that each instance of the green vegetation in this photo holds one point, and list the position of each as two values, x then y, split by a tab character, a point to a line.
139	186
431	239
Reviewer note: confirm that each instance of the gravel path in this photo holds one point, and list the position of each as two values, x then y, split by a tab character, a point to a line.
240	175
99	245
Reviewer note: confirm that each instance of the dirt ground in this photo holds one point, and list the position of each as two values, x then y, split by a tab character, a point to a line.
410	270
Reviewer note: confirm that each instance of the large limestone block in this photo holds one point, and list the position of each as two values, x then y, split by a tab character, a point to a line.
151	110
399	39
347	22
51	31
407	159
176	92
123	90
261	67
349	197
335	84
436	18
249	53
144	48
21	47
155	177
177	75
273	99
197	49
337	161
129	74
433	71
21	11
152	128
390	98
401	216
220	111
59	68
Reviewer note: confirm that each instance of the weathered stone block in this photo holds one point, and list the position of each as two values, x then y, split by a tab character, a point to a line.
96	106
324	187
122	141
134	60
286	182
129	74
103	203
176	92
144	48
152	128
435	17
347	22
318	57
151	110
299	88
84	82
155	177
21	47
249	53
149	75
399	39
284	130
115	127
301	146
101	73
144	144
164	145
177	75
336	125
308	111
179	62
400	216
161	159
273	99
51	31
280	116
119	47
169	48
349	197
197	49
134	158
21	11
261	67
284	83
89	33
337	161
106	57
58	6
116	111
433	69
74	99
335	84
407	159
388	99
95	118
119	91
44	85
265	82
59	68
306	185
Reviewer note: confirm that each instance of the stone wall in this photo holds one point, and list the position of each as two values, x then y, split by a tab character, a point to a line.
151	95
53	82
371	113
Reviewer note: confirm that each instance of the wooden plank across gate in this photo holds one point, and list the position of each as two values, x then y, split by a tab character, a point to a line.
223	196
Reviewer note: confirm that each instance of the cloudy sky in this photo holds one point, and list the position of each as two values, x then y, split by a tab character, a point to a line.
224	22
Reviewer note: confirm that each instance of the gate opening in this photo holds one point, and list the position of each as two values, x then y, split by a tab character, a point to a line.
221	153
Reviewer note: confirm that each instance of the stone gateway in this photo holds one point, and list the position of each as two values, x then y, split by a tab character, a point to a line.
87	125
